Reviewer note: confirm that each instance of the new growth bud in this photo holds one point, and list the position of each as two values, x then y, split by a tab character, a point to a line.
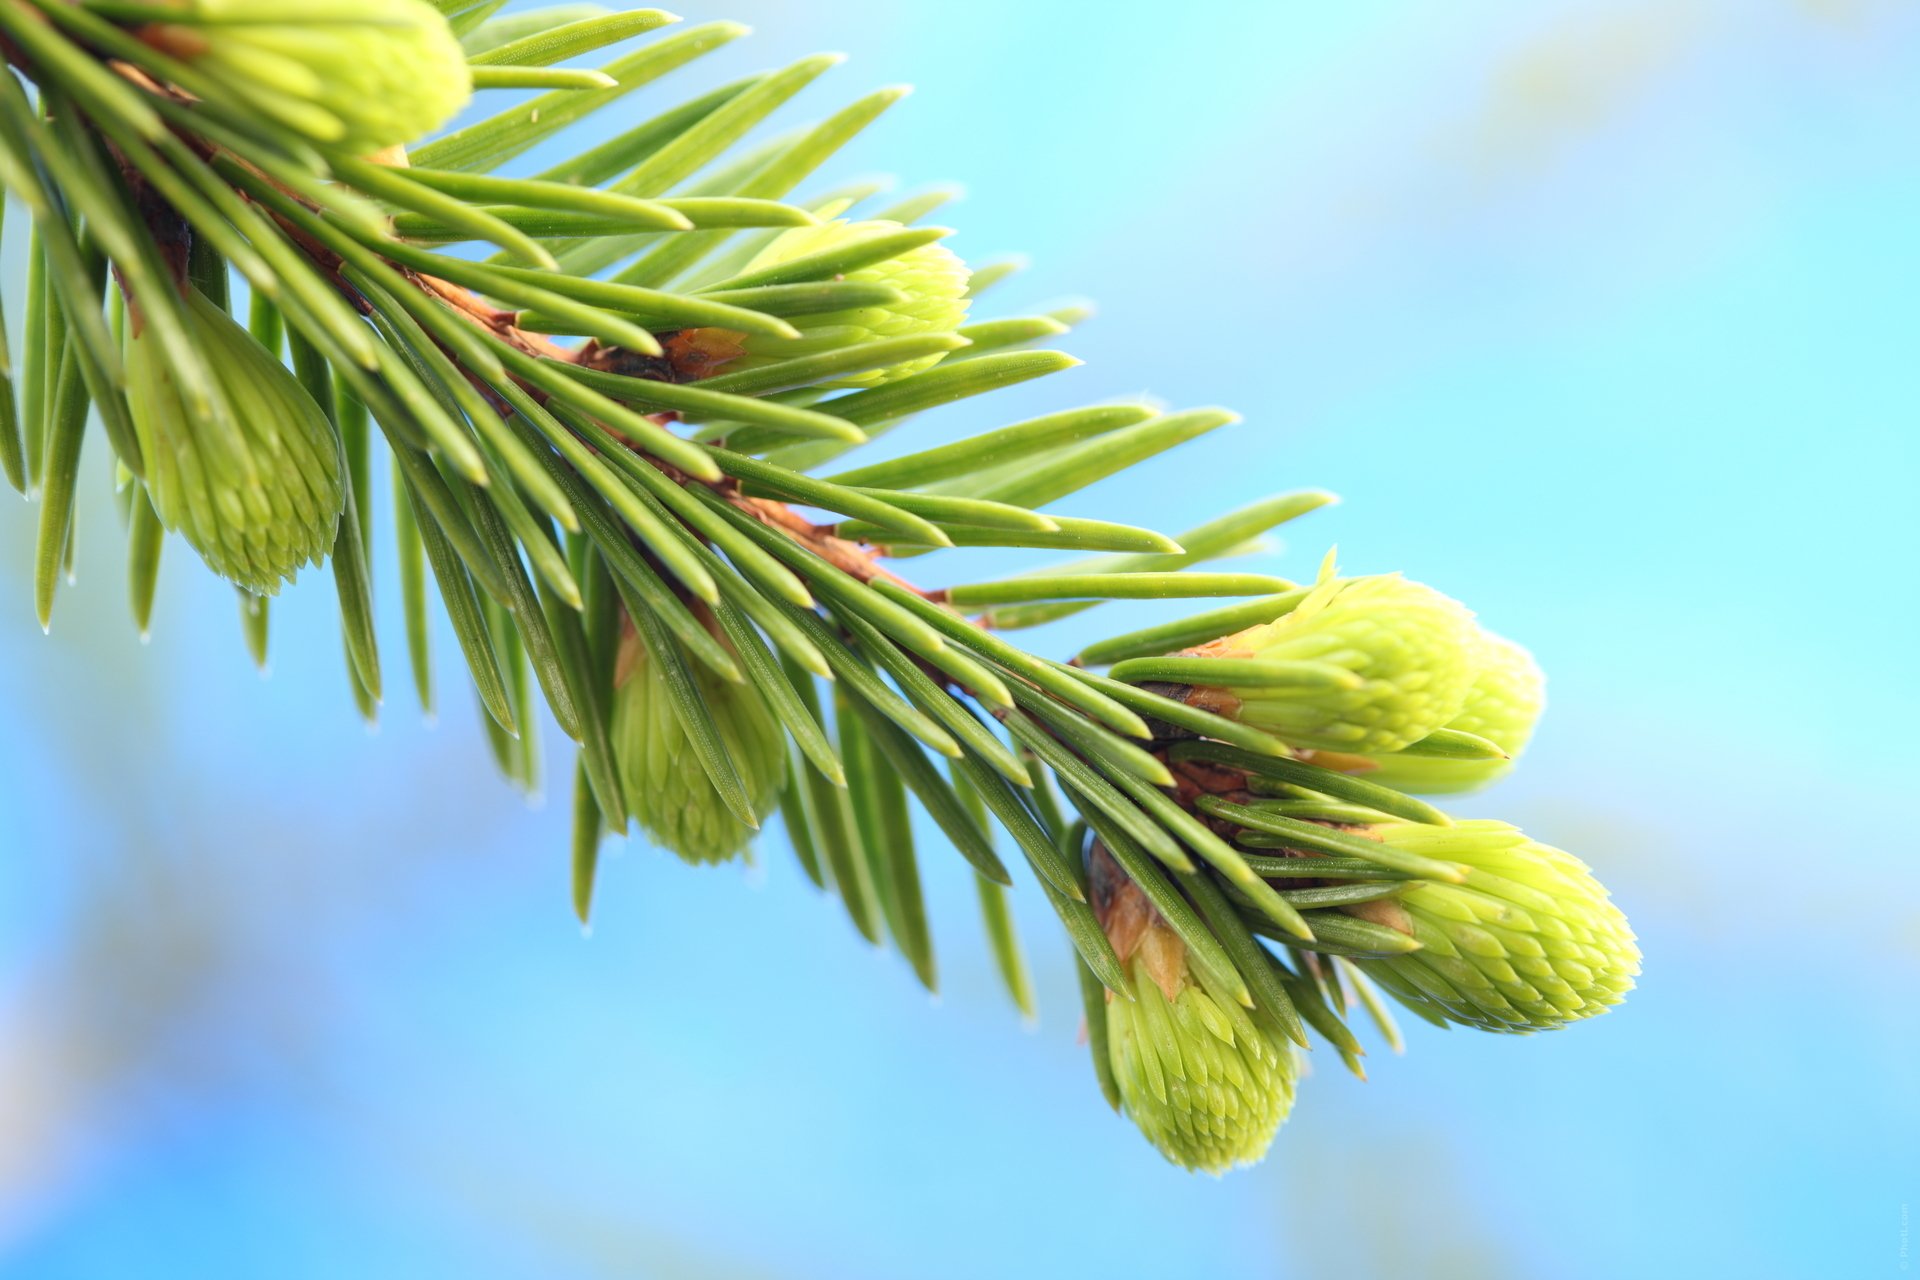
1411	653
1504	704
931	279
255	486
667	788
1206	1084
1529	942
360	74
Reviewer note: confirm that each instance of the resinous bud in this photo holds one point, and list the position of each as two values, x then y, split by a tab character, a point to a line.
667	789
1204	1082
932	280
1504	704
363	75
1529	942
254	483
1410	651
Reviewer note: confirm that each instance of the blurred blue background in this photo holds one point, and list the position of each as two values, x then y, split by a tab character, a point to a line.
1600	316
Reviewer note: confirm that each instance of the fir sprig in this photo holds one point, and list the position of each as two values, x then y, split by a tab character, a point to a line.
652	534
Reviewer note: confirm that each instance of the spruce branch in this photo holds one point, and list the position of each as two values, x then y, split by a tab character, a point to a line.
615	396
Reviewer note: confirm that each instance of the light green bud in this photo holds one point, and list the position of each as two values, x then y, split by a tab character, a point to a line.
256	487
667	789
1529	942
360	74
1504	704
1206	1084
932	277
1411	651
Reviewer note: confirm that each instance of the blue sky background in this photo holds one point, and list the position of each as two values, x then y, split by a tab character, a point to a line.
1600	316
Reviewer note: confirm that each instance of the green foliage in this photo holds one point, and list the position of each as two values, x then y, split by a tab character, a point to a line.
1362	665
252	479
701	759
1528	940
651	532
1508	694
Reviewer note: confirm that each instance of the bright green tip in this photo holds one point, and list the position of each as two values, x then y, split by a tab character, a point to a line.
667	786
1529	941
1206	1085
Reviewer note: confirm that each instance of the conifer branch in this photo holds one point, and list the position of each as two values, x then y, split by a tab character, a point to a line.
615	395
